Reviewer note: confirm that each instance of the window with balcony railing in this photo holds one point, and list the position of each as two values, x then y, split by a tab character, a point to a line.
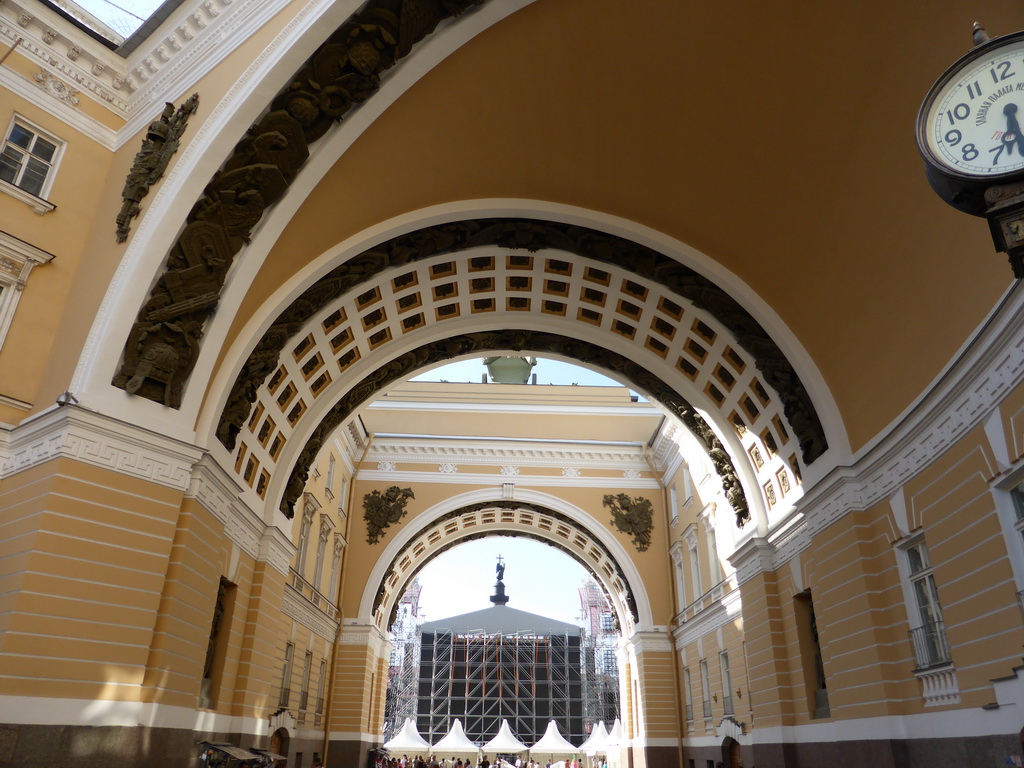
931	649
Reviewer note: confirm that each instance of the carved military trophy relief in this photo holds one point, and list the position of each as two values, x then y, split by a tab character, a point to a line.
162	139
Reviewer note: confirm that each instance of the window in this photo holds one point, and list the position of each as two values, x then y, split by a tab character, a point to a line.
929	635
307	669
688	694
695	571
332	588
811	660
676	553
326	526
673	505
705	687
331	466
726	683
714	563
216	647
320	683
17	258
27	161
286	676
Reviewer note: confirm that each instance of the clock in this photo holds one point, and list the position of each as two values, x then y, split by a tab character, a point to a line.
969	125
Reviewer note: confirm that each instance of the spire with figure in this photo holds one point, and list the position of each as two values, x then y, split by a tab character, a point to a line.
499	597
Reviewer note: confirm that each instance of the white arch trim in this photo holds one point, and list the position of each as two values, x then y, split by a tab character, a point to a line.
162	221
408	533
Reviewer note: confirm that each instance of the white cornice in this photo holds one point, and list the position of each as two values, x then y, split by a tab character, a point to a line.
70	116
988	368
439	406
197	37
76	433
356	632
218	492
544	455
496	480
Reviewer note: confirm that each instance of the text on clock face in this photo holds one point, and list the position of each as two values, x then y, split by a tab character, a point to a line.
976	125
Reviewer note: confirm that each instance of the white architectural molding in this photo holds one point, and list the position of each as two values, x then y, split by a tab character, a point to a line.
356	632
61	110
711	619
276	549
297	607
497	479
655	640
218	492
17	258
989	366
939	687
617	458
75	433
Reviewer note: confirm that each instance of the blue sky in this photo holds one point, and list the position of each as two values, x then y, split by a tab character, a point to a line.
538	579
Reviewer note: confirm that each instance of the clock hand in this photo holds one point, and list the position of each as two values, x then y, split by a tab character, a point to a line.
1013	127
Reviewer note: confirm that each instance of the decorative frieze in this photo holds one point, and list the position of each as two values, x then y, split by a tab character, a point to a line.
75	433
305	613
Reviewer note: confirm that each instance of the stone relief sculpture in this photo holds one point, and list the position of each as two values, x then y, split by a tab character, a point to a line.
633	517
162	139
380	510
343	73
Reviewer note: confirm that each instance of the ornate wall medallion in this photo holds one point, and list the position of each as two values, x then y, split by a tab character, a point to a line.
633	517
380	510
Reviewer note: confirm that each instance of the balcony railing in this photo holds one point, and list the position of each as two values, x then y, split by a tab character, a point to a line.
727	704
311	593
931	648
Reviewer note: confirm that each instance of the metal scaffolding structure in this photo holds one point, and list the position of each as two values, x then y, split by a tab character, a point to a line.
599	638
403	667
483	678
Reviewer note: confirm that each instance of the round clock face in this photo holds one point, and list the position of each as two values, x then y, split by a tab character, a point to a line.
971	120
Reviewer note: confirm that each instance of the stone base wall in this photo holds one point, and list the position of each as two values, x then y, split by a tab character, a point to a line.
85	746
973	752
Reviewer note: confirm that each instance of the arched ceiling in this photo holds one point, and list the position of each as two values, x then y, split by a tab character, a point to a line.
776	140
567	290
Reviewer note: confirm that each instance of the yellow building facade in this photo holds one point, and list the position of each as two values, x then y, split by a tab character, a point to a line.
209	313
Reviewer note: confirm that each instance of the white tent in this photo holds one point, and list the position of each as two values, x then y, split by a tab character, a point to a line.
455	742
553	743
615	737
505	741
407	739
597	743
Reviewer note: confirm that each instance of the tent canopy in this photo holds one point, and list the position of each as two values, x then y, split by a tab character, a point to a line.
552	742
407	739
455	742
597	741
615	737
505	741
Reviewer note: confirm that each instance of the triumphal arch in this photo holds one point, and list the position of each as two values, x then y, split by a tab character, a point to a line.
229	240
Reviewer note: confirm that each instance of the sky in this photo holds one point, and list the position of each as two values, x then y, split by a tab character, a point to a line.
538	579
547	371
123	16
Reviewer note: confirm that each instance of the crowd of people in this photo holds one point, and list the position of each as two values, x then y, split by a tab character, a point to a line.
432	761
